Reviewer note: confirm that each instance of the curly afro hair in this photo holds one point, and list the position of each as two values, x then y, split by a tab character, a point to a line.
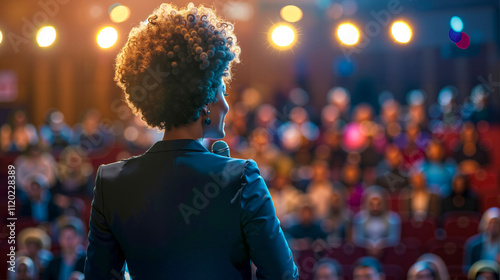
172	65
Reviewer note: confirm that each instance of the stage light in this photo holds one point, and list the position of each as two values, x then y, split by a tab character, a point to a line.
348	34
282	36
456	24
46	36
401	32
1	37
119	13
291	13
107	37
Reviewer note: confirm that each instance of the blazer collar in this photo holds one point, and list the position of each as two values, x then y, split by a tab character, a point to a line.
177	144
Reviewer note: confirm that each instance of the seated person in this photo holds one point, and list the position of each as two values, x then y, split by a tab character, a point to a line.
486	244
72	255
438	172
307	231
461	198
418	202
24	269
389	171
337	225
368	268
375	227
422	270
484	270
39	206
327	269
437	263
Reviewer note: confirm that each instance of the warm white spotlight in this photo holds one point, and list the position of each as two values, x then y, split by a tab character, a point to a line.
107	37
348	34
401	32
46	36
291	13
283	36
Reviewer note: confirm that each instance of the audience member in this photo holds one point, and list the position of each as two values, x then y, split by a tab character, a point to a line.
418	202
368	268
375	227
17	134
484	270
486	244
337	225
327	269
461	197
39	204
72	255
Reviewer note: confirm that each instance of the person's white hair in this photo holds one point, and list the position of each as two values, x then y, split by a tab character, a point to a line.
491	213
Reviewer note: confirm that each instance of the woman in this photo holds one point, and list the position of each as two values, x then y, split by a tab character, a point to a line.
179	211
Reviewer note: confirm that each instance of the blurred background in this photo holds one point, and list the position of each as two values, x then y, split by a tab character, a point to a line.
374	123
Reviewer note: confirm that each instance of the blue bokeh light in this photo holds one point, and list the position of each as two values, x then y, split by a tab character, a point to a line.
456	24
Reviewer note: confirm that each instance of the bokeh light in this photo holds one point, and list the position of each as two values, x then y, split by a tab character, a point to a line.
1	37
348	34
107	37
283	36
464	41
456	24
119	13
455	37
291	13
401	32
46	36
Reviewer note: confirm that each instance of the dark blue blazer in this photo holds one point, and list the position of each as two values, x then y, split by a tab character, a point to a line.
181	212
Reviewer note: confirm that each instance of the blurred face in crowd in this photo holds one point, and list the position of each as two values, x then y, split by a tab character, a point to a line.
350	174
366	273
35	191
22	272
424	275
493	228
69	240
418	181
321	172
306	215
459	185
33	247
325	272
375	206
336	202
393	156
486	275
435	151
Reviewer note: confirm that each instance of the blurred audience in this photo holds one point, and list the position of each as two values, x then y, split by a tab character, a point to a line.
17	134
39	204
376	227
72	255
486	244
461	197
55	133
327	269
368	268
418	202
484	270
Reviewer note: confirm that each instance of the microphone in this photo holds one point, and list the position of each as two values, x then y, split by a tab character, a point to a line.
220	148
